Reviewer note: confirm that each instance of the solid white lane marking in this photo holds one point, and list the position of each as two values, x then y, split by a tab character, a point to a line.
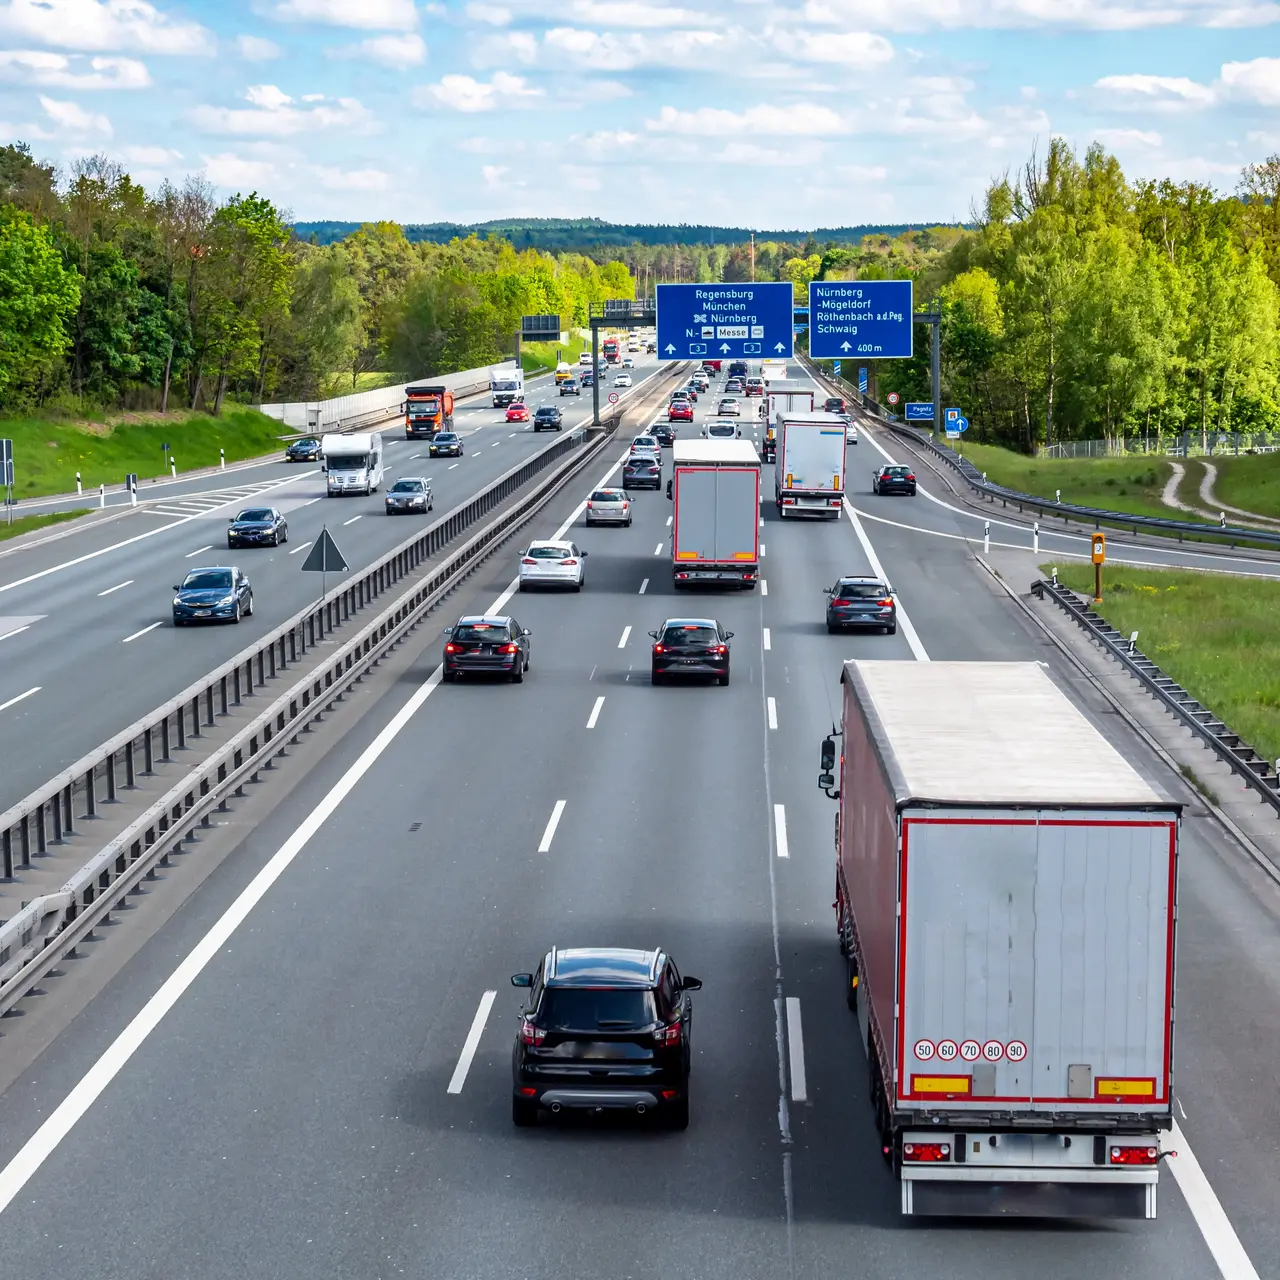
353	520
644	586
626	632
544	845
795	1051
904	620
773	713
4	706
208	546
303	547
17	631
768	639
143	632
780	830
472	1042
764	587
595	713
120	586
657	551
455	466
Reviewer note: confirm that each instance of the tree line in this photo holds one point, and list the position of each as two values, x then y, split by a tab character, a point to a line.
111	297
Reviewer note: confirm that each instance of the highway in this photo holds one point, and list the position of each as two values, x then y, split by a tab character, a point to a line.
305	1073
87	643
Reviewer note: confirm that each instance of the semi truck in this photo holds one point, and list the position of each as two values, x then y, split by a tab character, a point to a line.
782	397
1006	891
609	350
715	534
506	385
773	371
352	462
427	410
808	477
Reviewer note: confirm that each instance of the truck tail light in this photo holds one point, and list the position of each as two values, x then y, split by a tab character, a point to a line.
668	1035
1135	1155
529	1034
926	1152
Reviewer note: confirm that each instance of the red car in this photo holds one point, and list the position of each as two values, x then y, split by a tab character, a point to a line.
517	411
679	411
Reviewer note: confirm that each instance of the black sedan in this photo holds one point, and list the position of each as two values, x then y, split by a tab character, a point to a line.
861	602
664	433
588	379
445	444
485	645
641	471
548	418
257	527
690	647
603	1029
409	494
894	479
220	594
307	450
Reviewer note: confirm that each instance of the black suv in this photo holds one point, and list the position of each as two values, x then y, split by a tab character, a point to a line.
690	647
496	645
604	1029
664	433
641	470
548	416
861	602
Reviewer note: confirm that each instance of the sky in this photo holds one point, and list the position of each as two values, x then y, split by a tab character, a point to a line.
758	113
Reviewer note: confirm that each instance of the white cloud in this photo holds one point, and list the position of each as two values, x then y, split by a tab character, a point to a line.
637	13
1096	15
493	175
1251	15
1158	93
151	156
803	119
863	172
369	15
849	48
274	115
257	49
494	14
56	70
351	179
1127	139
398	51
1258	81
134	25
611	52
502	50
464	93
604	144
240	172
74	118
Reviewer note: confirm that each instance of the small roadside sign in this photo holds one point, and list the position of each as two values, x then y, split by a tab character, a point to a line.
919	411
613	397
324	556
893	397
6	463
960	425
950	415
862	381
835	367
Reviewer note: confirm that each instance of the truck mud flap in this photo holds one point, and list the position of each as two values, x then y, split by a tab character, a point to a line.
926	1199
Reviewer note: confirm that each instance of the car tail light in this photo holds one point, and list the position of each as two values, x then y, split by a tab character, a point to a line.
568	561
528	560
911	478
529	1034
926	1152
510	648
1135	1155
657	648
670	1095
526	1092
626	506
451	648
722	648
590	506
668	1035
884	604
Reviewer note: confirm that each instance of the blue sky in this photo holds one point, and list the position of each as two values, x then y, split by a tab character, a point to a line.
775	115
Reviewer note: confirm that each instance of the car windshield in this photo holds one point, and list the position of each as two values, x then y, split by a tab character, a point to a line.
207	580
897	471
861	591
548	553
548	411
643	442
689	635
595	1009
305	444
407	486
348	462
445	437
607	495
256	514
480	632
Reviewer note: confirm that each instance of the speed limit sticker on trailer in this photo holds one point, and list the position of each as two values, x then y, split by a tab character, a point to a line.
970	1050
1015	1051
993	1051
947	1050
924	1050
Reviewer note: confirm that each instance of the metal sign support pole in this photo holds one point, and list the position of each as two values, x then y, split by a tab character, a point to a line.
595	372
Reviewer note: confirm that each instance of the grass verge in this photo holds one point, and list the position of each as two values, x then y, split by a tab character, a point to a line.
1133	485
47	455
339	384
1213	633
1251	483
538	356
26	524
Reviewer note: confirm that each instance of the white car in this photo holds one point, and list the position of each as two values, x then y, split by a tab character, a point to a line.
729	407
647	445
609	506
721	429
850	434
628	362
552	564
622	380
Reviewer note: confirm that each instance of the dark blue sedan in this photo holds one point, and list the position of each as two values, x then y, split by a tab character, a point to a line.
257	527
307	450
219	594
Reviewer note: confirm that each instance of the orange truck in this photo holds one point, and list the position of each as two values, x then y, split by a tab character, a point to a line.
427	410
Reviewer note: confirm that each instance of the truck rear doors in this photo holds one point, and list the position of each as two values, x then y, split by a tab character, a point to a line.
716	515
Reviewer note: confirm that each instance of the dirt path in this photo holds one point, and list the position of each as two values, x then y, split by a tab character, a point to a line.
1170	494
1207	495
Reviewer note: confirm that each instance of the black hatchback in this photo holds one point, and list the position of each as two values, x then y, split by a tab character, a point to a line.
484	645
663	432
894	479
604	1029
641	471
445	444
548	418
861	602
257	527
690	647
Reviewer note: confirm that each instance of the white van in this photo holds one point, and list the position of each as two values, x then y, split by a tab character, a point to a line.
353	463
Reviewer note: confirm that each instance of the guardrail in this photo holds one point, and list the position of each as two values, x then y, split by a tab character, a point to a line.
1258	774
1097	516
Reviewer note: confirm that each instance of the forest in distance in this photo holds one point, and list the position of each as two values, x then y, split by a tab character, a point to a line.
1079	304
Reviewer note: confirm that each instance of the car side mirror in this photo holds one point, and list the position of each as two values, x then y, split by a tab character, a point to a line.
654	634
691	984
176	587
231	519
728	635
526	632
828	754
522	979
584	554
448	631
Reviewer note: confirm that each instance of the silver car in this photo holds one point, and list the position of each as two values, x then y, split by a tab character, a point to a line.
729	408
609	506
409	493
722	429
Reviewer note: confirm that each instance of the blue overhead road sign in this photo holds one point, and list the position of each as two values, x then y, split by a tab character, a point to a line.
918	411
860	318
725	321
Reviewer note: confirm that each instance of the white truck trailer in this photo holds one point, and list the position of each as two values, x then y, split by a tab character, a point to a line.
808	476
782	397
715	532
353	462
1006	890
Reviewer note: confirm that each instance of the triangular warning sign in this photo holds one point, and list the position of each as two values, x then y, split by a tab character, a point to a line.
324	556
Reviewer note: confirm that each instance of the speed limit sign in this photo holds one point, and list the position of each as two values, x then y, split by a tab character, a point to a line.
613	397
893	397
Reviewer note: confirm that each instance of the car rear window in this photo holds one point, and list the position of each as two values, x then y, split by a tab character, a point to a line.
685	636
480	633
207	580
607	495
595	1009
897	471
548	553
255	513
860	591
641	464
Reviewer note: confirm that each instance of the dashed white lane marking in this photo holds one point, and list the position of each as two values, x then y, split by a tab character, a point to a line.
762	550
595	712
4	706
669	520
308	502
795	1051
780	830
768	639
773	713
626	632
764	587
353	520
644	586
657	551
208	546
544	845
908	628
143	632
303	547
120	586
455	466
472	1042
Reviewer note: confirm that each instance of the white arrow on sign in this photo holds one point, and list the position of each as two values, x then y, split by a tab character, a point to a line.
724	346
670	348
844	346
780	347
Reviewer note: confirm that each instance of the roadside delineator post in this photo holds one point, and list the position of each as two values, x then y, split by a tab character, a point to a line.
222	456
986	537
79	486
1035	537
102	495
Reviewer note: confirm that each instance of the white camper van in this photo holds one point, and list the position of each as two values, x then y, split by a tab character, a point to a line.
353	462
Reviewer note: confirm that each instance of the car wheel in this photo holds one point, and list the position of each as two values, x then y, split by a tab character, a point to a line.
524	1113
832	628
284	534
517	674
655	676
678	1114
628	522
724	679
177	622
577	586
275	539
248	613
893	630
235	617
231	546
